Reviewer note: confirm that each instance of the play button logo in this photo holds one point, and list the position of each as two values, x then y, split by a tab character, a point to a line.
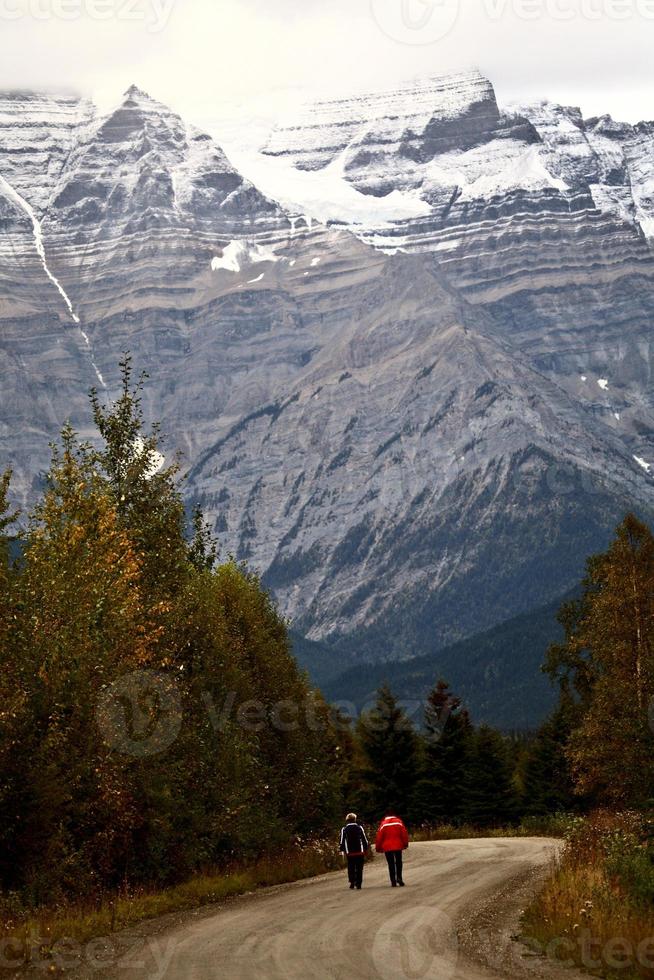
418	943
415	21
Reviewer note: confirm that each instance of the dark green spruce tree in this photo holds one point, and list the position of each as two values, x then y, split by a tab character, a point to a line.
441	792
546	778
388	764
491	794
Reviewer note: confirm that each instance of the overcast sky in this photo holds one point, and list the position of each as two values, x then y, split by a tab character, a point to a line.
206	57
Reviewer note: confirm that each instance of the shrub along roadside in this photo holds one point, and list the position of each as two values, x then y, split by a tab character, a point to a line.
556	825
29	935
596	907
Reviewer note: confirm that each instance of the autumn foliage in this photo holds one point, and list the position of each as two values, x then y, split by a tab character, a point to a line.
114	585
605	667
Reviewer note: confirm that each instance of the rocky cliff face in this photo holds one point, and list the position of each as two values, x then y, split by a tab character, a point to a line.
421	475
389	140
413	431
110	224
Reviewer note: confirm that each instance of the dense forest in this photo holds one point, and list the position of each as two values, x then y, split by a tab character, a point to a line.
140	676
446	771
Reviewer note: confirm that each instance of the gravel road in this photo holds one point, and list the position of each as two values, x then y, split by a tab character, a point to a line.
441	926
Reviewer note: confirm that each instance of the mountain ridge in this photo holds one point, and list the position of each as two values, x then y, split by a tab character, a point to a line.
409	442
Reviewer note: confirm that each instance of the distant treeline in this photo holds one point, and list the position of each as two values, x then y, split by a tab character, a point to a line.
450	772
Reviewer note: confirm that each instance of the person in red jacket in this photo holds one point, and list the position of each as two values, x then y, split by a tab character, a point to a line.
392	838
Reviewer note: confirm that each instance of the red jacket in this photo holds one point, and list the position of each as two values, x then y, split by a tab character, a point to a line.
392	835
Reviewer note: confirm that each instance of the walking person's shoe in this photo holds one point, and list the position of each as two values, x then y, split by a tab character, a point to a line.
359	887
401	884
393	884
351	886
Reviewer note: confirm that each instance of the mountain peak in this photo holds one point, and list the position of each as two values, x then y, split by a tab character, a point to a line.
136	93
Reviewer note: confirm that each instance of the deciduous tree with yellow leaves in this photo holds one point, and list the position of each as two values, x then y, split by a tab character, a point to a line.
606	665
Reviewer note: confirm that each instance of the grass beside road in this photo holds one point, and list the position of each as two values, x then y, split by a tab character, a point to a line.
38	930
555	825
597	907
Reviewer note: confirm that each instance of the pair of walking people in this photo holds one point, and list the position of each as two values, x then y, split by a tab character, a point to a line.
392	839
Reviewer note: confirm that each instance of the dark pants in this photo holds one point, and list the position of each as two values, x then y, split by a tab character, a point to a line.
355	870
394	859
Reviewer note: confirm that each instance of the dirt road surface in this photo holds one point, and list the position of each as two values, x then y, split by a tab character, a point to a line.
453	921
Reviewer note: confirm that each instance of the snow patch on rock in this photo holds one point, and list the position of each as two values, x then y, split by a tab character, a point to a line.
647	225
20	202
237	255
527	172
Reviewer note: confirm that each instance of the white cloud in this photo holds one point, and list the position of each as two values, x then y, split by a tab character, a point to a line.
210	54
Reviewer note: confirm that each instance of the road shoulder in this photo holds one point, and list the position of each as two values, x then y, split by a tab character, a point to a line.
489	933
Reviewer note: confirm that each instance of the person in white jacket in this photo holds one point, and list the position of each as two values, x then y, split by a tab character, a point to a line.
354	845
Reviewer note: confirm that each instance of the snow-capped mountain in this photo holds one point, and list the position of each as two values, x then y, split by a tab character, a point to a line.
109	222
442	145
416	418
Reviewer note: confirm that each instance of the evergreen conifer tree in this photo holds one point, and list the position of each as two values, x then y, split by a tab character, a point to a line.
441	792
545	771
388	745
491	794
